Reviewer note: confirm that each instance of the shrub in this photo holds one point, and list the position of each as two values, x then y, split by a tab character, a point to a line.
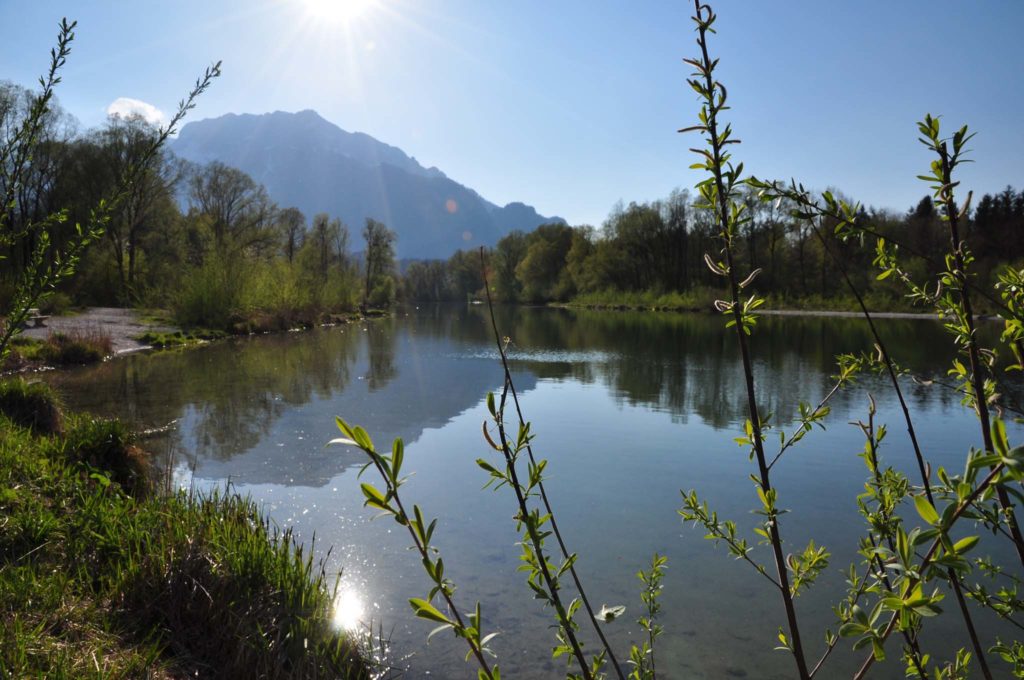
31	405
209	296
383	294
77	347
108	445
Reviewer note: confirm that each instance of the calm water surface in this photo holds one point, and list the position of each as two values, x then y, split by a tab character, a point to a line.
629	408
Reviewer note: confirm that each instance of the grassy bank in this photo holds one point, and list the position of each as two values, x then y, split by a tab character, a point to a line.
59	349
696	299
703	299
101	577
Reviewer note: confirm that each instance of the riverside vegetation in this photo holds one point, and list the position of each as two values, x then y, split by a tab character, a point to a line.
925	548
99	575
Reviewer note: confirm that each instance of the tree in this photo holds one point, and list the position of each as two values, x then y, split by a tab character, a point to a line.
576	260
293	229
380	263
34	192
119	146
241	214
464	277
542	272
426	281
509	252
326	243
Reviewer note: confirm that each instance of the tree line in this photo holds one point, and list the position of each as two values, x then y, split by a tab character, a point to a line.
658	248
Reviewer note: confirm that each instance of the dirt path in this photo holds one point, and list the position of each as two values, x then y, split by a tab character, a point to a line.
122	325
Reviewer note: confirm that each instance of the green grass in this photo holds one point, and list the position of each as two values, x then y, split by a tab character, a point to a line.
59	349
100	579
179	338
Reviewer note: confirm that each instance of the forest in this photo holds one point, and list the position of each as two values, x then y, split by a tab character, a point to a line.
650	252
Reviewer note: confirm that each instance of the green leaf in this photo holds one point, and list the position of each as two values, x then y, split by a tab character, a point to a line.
397	456
362	438
425	610
925	509
851	628
965	544
373	496
443	626
999	440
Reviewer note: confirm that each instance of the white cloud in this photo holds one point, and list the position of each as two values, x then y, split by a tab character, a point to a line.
126	106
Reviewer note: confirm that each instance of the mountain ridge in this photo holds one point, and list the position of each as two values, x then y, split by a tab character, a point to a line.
308	162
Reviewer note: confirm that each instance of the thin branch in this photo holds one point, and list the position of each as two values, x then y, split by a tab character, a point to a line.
510	386
795	437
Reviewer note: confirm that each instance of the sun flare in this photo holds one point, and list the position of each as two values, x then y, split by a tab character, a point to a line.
337	11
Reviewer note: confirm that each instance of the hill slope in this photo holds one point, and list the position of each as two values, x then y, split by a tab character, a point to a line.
308	162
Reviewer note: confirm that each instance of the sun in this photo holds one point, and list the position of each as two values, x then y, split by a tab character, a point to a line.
337	11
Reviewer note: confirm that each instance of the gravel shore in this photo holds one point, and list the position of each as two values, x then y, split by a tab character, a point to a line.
122	325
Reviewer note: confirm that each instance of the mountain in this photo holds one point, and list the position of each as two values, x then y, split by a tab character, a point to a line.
312	164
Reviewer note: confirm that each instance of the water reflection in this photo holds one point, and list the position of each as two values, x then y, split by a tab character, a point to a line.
628	407
267	394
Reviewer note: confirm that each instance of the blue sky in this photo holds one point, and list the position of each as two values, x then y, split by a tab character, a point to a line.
572	105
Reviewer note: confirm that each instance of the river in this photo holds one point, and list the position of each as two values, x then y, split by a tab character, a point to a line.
629	408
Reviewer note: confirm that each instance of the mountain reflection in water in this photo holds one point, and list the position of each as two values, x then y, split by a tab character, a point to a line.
629	408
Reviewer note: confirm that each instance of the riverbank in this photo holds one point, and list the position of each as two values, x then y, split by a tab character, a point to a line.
97	333
810	312
100	575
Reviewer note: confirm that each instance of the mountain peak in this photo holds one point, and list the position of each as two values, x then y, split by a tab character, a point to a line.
308	162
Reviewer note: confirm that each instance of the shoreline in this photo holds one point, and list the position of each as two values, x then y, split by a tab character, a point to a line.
824	313
125	326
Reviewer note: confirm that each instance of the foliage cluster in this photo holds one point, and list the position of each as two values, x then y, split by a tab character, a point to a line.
75	347
33	406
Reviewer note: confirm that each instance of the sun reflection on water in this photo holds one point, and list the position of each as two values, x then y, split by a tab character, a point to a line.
348	609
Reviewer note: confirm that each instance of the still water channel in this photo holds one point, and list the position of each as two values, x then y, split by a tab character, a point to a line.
629	408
